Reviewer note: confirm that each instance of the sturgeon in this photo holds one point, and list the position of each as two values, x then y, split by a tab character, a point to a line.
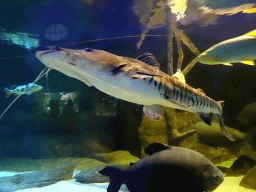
138	81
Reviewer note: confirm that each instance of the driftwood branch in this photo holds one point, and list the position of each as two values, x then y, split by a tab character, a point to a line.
190	66
174	138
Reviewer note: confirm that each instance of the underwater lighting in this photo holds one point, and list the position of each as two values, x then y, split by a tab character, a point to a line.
56	32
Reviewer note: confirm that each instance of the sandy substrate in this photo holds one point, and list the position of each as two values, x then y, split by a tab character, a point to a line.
230	184
68	186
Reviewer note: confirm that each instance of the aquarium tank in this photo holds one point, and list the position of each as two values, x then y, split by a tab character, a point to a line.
134	95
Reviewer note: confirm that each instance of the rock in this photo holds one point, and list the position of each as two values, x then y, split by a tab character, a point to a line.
171	130
116	157
92	175
247	150
247	115
249	180
36	179
214	154
64	146
213	136
175	130
31	165
241	166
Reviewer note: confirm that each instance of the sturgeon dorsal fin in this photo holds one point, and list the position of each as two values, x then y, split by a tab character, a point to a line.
220	103
117	70
201	90
155	147
149	59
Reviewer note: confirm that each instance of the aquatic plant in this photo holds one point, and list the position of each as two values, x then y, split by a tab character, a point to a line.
174	13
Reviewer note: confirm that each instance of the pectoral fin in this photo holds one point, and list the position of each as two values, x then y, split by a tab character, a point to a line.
117	70
149	59
175	102
114	185
140	75
114	174
144	75
154	112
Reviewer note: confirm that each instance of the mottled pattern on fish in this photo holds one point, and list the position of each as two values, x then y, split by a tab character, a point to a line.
183	95
23	89
132	80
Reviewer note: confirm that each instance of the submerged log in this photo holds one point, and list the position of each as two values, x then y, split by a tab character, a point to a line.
36	179
174	137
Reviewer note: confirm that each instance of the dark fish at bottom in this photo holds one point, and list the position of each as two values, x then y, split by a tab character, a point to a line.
167	168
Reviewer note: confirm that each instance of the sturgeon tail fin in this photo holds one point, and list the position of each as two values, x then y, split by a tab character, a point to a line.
115	177
222	126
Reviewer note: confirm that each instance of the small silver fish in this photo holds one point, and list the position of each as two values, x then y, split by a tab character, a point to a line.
133	80
23	89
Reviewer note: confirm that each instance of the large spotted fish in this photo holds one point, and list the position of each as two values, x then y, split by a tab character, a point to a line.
134	80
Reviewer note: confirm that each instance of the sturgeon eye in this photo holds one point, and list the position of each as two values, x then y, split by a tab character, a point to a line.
88	50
